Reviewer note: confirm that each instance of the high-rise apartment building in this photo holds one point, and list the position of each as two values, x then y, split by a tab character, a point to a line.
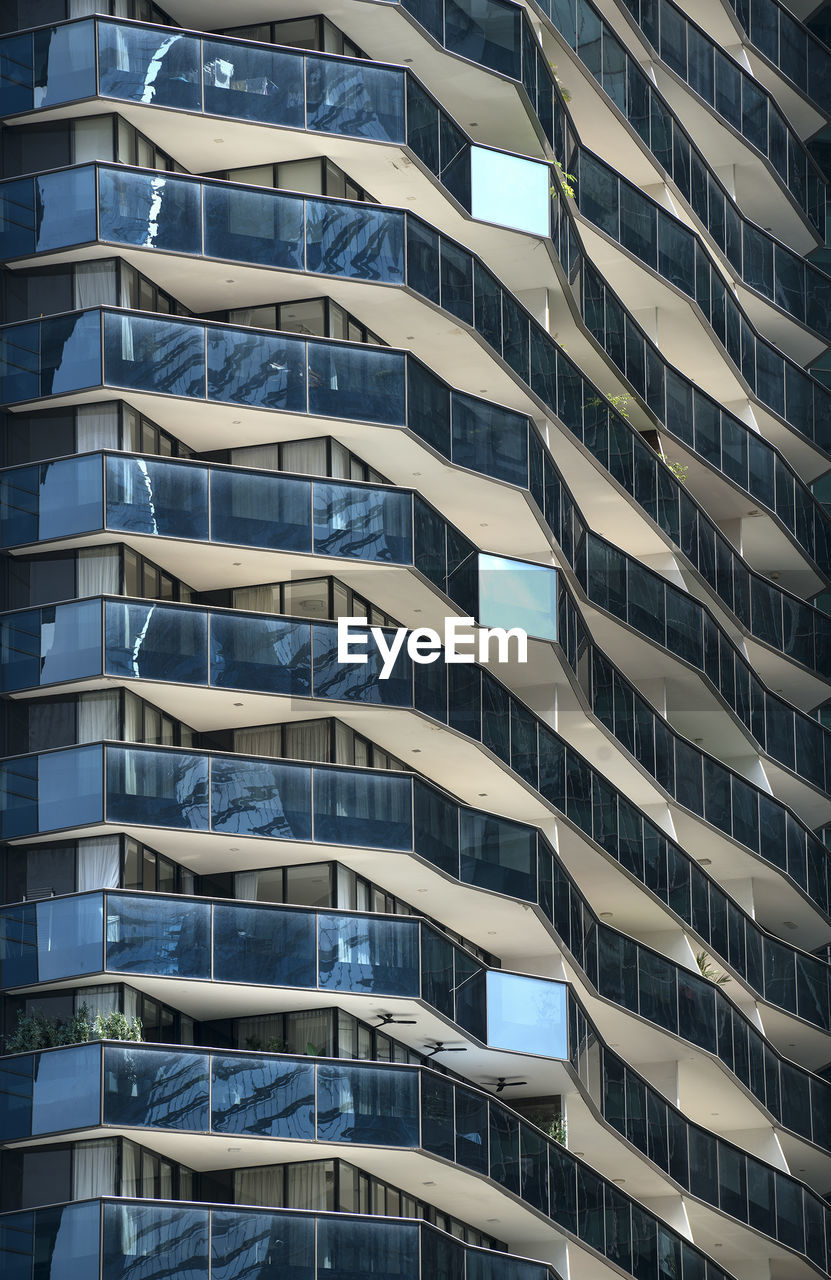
325	956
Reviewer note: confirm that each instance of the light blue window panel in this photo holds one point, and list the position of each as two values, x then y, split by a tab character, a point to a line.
510	191
527	1015
516	593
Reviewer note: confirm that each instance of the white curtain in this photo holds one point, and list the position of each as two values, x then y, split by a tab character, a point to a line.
259	1186
265	457
308	457
306	1186
95	284
263	741
97	1000
97	716
133	720
263	599
82	8
96	427
94	1169
245	885
99	864
344	744
98	571
308	740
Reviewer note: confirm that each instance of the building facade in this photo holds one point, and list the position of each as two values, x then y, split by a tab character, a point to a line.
321	962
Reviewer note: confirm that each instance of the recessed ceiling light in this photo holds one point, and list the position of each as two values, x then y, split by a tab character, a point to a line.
491	1219
789	924
428	1184
483	524
421	890
236	563
607	915
234	848
483	793
474	124
410	337
416	751
233	1148
619	1181
491	933
219	139
230	282
705	862
238	704
408	60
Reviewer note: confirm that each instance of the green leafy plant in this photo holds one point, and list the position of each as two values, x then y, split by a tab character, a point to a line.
273	1045
619	402
709	971
553	1126
567	181
564	93
678	469
36	1031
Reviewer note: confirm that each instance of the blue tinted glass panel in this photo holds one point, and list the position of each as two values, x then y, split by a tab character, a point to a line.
362	809
159	936
164	356
266	654
375	1106
141	1240
254	226
253	83
150	211
257	369
272	1097
70	788
355	98
261	797
157	642
160	788
261	510
161	1089
163	499
361	953
269	947
158	67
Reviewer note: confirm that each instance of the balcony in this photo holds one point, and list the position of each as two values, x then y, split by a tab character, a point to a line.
140	1239
299	1101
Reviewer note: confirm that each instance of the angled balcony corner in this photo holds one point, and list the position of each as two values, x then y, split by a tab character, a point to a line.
415	641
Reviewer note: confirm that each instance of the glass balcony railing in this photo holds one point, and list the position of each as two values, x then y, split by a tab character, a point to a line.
394	107
217	648
738	98
155	497
791	46
747	1189
303	948
734	93
168	67
288	88
663	243
144	1239
343	380
319	1100
283	372
200	791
